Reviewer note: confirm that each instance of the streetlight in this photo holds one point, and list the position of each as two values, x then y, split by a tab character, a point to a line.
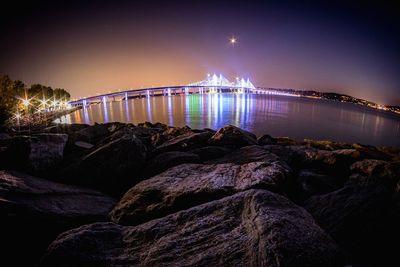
26	102
43	103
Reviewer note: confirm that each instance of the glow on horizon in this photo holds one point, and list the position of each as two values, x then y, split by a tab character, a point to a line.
106	47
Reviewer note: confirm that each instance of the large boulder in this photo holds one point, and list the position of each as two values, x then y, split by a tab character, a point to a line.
92	134
210	152
145	134
336	161
296	156
393	152
47	150
371	152
326	144
335	158
89	135
112	167
247	154
253	228
362	218
266	139
166	160
157	125
39	152
169	133
314	182
389	172
303	156
286	141
15	152
185	142
34	211
188	185
232	136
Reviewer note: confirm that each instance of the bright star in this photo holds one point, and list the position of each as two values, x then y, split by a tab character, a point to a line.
233	40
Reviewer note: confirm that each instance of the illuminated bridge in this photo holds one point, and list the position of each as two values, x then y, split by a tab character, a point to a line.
212	84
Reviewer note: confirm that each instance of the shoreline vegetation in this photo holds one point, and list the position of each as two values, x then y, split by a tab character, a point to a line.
30	106
37	122
342	98
151	194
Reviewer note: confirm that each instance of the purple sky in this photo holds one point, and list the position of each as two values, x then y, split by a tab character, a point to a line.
97	47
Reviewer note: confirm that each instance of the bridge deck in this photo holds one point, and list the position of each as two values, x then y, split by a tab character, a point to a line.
173	90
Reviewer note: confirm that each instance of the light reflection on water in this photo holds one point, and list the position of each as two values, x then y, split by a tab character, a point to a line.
295	117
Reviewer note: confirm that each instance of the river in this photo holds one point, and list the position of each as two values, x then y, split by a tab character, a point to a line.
294	117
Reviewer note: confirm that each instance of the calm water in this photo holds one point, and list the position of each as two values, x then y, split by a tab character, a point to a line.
294	117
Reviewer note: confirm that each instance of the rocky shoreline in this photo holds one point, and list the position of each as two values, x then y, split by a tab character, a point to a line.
124	195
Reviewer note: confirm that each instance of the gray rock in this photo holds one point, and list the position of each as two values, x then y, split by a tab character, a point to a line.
371	152
247	154
34	211
92	134
362	218
326	144
156	125
266	139
389	172
46	150
38	152
166	160
295	156
233	136
83	145
253	228
185	142
188	185
168	134
15	152
145	134
286	141
113	167
314	182
301	156
210	152
335	157
21	192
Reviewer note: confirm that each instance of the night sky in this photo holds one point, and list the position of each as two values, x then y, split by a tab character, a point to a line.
94	47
